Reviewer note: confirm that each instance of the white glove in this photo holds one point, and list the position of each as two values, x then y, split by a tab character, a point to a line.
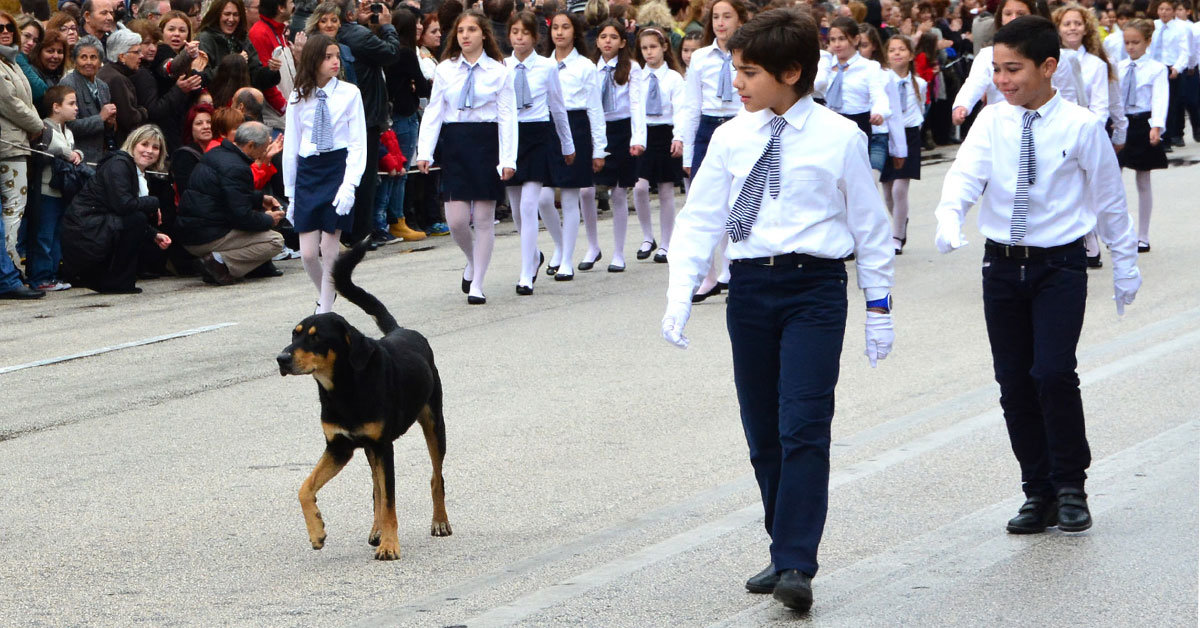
344	201
1125	289
673	320
880	336
949	236
291	210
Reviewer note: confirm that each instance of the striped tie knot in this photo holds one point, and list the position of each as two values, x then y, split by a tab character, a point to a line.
765	175
322	124
1026	176
608	90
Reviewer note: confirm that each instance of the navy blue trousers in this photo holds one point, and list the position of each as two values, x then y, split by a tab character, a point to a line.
1034	313
786	326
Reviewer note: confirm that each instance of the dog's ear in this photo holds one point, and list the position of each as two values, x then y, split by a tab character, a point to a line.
362	349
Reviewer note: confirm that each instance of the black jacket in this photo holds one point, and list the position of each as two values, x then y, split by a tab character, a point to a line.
164	101
130	113
406	83
217	44
371	54
220	197
93	220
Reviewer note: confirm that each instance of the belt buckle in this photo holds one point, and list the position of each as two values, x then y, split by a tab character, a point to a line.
770	261
1021	249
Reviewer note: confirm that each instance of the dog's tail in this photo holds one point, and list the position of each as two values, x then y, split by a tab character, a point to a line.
342	269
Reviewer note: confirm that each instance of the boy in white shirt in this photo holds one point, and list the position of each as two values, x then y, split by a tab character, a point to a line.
1033	159
790	182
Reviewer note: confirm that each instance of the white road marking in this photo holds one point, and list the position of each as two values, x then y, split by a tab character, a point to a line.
125	345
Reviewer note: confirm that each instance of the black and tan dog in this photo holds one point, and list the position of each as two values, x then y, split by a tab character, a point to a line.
371	392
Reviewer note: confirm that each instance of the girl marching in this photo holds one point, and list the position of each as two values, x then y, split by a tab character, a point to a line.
911	90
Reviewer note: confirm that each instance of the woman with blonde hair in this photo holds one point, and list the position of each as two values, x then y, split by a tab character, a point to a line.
326	19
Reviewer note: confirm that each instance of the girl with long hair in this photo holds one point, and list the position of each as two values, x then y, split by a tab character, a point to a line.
911	114
1144	84
887	139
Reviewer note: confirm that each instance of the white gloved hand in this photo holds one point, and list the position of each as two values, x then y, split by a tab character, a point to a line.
949	236
1125	289
880	336
673	321
291	210
344	201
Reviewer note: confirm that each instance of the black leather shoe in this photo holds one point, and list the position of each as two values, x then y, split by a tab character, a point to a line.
591	264
552	270
474	300
763	581
564	276
794	590
466	286
266	270
644	253
1094	262
1036	514
613	268
22	292
1073	513
701	296
1177	142
524	290
660	257
541	260
1143	247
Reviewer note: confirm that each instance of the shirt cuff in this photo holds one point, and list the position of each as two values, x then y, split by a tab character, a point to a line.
874	294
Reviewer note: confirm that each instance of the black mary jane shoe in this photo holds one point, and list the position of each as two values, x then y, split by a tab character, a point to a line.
552	270
645	254
466	286
541	260
1143	247
1073	513
661	256
590	265
1036	514
794	590
763	581
564	276
613	268
1094	262
524	290
474	300
712	292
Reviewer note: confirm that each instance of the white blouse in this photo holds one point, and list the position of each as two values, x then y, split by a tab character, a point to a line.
912	105
1087	72
863	87
1150	89
349	131
493	102
623	95
581	91
670	89
544	88
700	95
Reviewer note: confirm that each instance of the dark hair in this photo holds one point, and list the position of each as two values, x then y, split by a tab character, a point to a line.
447	15
927	45
268	8
528	21
1152	10
847	25
663	40
404	20
232	74
1125	11
1036	7
738	7
311	58
780	40
872	36
197	109
498	10
577	26
1032	36
39	8
55	96
624	55
145	28
490	47
51	38
212	18
176	15
912	68
184	6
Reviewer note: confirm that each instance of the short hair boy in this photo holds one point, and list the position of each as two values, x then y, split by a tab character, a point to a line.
1048	176
791	184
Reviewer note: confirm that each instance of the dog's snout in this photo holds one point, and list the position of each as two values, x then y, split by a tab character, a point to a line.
285	362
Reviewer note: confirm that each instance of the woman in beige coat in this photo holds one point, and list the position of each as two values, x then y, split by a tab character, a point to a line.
18	122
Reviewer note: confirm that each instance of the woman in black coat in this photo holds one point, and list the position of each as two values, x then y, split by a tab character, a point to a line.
113	218
174	79
223	31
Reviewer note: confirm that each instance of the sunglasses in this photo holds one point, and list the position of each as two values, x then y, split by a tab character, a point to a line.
10	27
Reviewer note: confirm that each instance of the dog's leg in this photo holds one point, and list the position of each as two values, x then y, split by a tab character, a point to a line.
385	476
435	440
376	495
332	461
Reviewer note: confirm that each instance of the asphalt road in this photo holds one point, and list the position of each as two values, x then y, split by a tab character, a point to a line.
595	475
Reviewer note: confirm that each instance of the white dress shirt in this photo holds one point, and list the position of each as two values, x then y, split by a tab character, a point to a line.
1116	113
1195	26
827	206
624	95
1170	44
581	90
1077	189
1092	77
700	96
864	87
822	80
349	131
494	101
670	88
978	83
893	125
1151	91
1114	45
913	113
542	75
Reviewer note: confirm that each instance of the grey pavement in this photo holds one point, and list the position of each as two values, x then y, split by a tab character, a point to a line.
595	475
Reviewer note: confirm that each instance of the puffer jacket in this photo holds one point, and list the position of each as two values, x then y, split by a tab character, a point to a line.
18	117
220	197
216	45
93	220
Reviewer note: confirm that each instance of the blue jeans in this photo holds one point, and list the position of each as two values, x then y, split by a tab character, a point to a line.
389	200
46	252
786	326
878	149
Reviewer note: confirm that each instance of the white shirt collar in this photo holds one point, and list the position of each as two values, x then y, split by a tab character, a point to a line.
796	116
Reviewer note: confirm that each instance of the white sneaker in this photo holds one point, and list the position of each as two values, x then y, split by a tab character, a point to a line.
286	254
53	286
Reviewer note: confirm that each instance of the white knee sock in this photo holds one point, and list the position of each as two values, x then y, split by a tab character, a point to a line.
458	218
641	204
899	194
619	202
587	207
513	194
666	207
310	256
1145	204
484	215
553	223
570	229
529	195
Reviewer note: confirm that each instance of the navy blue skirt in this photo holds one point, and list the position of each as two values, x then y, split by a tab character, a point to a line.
1138	153
912	163
538	147
863	120
318	178
704	132
656	165
470	152
620	168
578	174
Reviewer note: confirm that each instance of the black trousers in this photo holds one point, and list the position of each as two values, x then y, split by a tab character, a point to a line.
786	326
364	199
1034	313
119	271
1187	102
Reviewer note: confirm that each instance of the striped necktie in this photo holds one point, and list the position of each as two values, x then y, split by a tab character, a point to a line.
725	79
1081	97
521	87
764	175
608	90
903	85
322	124
1026	176
1130	82
833	96
654	105
466	98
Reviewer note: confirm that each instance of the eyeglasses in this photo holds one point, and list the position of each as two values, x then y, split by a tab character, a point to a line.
68	27
9	26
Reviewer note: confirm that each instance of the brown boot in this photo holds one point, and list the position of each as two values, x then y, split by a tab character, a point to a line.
401	230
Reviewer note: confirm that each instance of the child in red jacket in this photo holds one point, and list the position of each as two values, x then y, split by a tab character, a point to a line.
389	200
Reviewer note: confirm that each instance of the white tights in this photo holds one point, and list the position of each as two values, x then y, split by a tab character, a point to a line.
1145	204
587	207
565	232
459	217
524	201
666	210
318	252
618	201
895	195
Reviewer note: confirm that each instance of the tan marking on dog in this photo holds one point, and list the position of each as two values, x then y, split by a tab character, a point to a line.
326	468
378	487
299	327
318	365
333	430
437	486
372	430
312	331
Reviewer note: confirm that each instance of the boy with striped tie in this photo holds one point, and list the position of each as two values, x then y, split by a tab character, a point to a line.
1033	159
790	183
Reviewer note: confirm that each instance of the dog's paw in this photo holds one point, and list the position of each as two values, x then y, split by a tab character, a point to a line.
373	539
388	550
440	528
317	542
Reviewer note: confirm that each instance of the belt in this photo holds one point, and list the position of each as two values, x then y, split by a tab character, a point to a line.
787	259
1029	252
717	119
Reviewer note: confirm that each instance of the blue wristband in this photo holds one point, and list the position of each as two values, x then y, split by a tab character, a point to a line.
885	303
